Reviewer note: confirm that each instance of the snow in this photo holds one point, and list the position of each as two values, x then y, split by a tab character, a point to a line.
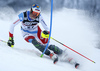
70	27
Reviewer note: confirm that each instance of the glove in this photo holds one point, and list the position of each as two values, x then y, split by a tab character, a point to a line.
45	34
10	42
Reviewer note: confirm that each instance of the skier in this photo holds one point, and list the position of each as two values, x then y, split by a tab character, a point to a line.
32	33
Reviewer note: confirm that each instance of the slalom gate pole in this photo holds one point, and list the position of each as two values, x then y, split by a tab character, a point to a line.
50	29
72	50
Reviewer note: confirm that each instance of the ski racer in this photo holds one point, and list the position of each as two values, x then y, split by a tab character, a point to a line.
32	33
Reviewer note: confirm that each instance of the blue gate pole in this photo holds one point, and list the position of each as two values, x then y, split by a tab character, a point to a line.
50	29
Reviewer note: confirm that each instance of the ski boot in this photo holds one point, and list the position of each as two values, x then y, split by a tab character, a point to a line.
54	57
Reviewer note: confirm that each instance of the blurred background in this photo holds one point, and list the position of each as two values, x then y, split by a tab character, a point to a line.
90	7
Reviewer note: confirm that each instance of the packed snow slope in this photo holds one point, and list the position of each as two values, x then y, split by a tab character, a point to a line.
70	27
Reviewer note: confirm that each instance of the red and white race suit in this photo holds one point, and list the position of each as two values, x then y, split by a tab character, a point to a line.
30	28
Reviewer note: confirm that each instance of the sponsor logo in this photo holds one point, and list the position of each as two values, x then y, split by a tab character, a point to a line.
30	23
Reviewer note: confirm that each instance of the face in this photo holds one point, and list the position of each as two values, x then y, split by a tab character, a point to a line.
34	15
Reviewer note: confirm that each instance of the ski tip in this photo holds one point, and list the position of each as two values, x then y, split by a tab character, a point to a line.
41	55
94	62
77	65
55	61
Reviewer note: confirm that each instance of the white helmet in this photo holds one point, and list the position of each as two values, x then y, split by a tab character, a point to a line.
36	8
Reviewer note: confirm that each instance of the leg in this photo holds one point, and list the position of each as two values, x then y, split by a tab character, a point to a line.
47	52
40	47
65	58
31	39
55	49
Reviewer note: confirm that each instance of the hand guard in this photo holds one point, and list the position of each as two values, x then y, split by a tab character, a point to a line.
45	34
10	42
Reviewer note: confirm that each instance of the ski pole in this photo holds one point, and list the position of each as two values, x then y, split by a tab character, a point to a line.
3	41
72	50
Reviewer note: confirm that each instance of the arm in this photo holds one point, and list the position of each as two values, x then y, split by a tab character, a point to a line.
41	20
12	27
45	33
20	19
11	40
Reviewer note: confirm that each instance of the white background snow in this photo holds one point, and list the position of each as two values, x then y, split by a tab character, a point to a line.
70	26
